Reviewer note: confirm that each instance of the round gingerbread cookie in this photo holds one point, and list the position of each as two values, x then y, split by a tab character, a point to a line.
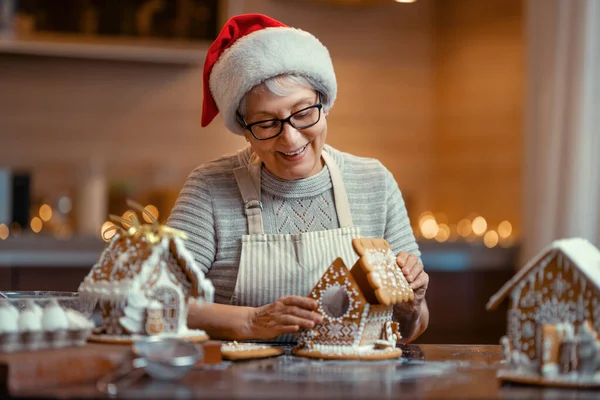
196	337
347	353
245	351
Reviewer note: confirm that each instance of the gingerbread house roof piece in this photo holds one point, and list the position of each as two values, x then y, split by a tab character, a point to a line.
583	254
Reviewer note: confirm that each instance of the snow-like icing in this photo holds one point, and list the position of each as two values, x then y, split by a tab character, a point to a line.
583	254
580	251
204	283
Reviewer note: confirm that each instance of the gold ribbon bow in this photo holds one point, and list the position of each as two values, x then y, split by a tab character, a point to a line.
153	232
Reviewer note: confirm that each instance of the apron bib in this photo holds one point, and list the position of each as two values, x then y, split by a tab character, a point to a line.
276	265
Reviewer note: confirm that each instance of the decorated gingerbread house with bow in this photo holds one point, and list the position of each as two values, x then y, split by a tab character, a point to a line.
144	282
357	306
554	317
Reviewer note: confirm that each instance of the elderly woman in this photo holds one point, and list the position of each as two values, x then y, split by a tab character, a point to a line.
266	222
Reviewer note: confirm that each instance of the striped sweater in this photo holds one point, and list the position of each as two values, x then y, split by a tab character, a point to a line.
210	210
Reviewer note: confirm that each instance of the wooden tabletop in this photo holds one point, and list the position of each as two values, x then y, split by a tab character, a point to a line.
424	371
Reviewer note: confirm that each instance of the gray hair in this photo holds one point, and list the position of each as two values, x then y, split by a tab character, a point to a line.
284	85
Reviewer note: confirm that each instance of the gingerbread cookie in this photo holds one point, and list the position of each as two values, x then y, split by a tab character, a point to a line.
378	264
245	351
194	336
348	353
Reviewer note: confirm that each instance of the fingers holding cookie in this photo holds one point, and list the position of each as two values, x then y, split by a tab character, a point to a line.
410	265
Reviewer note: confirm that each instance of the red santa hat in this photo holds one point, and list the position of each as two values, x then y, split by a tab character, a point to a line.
252	48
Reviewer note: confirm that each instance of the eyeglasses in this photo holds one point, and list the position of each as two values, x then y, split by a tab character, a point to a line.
270	128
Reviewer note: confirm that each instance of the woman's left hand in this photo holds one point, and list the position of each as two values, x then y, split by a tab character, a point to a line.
413	316
416	276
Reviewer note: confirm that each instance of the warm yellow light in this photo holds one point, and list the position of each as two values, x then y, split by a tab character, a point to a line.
405	1
425	216
490	239
504	229
443	233
429	229
152	210
479	226
4	231
45	212
464	227
36	224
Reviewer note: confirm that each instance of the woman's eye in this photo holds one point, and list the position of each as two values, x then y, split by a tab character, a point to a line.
268	125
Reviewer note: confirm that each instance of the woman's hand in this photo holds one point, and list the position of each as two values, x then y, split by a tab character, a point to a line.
286	315
416	276
413	317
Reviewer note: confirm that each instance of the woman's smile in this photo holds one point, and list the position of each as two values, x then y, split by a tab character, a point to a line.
295	155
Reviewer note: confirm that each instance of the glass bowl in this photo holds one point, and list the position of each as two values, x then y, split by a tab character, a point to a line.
70	300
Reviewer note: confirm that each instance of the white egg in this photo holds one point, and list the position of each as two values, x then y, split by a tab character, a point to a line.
54	318
78	320
9	318
29	320
33	306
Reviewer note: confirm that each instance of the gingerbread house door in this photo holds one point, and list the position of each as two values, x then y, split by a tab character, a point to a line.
169	298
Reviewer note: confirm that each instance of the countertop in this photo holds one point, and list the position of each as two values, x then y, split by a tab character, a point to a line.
424	371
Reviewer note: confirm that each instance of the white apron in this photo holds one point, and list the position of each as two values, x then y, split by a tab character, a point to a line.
276	265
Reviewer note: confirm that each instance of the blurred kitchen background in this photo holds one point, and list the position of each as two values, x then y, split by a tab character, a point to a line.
484	111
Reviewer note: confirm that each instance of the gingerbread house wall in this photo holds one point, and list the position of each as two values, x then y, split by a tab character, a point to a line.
375	322
553	292
345	330
173	299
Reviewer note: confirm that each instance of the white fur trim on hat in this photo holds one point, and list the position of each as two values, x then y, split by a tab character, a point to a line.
264	54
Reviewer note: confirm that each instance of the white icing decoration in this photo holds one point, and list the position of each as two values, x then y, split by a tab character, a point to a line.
243	346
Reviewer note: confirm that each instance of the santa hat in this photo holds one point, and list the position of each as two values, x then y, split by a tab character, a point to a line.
250	49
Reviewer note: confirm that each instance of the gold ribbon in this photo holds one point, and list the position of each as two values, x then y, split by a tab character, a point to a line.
153	232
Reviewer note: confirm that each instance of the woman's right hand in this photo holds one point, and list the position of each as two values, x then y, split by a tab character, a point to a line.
286	315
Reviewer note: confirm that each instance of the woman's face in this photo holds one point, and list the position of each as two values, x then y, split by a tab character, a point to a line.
294	154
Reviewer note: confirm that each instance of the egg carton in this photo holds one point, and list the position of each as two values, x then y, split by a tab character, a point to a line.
38	340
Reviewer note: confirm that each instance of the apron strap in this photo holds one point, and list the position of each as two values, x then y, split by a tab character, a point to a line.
340	196
252	203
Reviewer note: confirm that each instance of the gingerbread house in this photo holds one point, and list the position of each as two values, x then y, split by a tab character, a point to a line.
143	283
357	306
554	317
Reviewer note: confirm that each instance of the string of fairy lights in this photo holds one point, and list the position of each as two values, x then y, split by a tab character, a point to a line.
48	220
430	226
435	226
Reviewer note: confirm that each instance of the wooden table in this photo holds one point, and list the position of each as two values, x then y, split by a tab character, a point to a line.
425	371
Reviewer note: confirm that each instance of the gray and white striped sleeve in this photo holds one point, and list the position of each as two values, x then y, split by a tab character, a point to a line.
193	214
398	230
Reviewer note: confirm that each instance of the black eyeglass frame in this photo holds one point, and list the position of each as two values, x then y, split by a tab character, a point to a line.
318	105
